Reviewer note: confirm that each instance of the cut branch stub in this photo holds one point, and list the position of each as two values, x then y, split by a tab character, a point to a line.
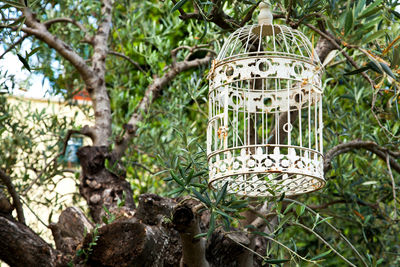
70	229
187	224
100	186
128	243
152	208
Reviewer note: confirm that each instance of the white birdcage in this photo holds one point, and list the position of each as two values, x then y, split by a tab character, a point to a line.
264	134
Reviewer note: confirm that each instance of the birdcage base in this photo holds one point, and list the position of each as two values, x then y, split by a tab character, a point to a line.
269	184
267	170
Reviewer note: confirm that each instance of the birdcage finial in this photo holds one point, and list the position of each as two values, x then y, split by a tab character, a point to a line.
265	17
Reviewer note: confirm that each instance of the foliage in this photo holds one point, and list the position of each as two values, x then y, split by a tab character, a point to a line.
167	155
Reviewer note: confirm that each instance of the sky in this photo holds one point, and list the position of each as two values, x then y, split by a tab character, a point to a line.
10	62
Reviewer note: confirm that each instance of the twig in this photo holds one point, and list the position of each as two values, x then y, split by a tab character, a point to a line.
50	22
289	12
34	214
323	240
249	14
333	41
343	201
393	185
287	248
143	167
134	63
385	129
332	227
191	50
14	45
16	200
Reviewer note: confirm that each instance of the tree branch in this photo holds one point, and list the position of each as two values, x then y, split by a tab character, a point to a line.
393	185
151	94
39	30
20	246
16	201
50	22
373	147
134	63
323	241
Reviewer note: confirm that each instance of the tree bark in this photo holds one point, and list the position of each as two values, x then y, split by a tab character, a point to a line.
128	243
100	186
20	246
70	230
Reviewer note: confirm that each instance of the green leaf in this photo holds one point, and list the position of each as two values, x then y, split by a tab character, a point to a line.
397	14
24	62
288	208
396	57
221	193
358	70
202	186
178	5
176	191
220	212
371	12
199	174
359	7
348	24
374	36
371	9
300	210
200	235
13	3
375	67
387	70
201	197
176	178
33	51
321	255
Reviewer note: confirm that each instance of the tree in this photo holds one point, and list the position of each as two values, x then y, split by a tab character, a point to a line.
143	65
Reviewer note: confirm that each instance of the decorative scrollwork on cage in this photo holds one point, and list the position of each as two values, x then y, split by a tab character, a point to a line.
264	134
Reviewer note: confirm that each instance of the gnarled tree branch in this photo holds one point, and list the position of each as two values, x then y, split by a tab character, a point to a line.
39	30
373	147
20	246
16	201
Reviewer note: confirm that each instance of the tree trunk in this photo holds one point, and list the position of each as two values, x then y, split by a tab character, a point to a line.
101	186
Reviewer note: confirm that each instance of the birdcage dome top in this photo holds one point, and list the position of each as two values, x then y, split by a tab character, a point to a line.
268	40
